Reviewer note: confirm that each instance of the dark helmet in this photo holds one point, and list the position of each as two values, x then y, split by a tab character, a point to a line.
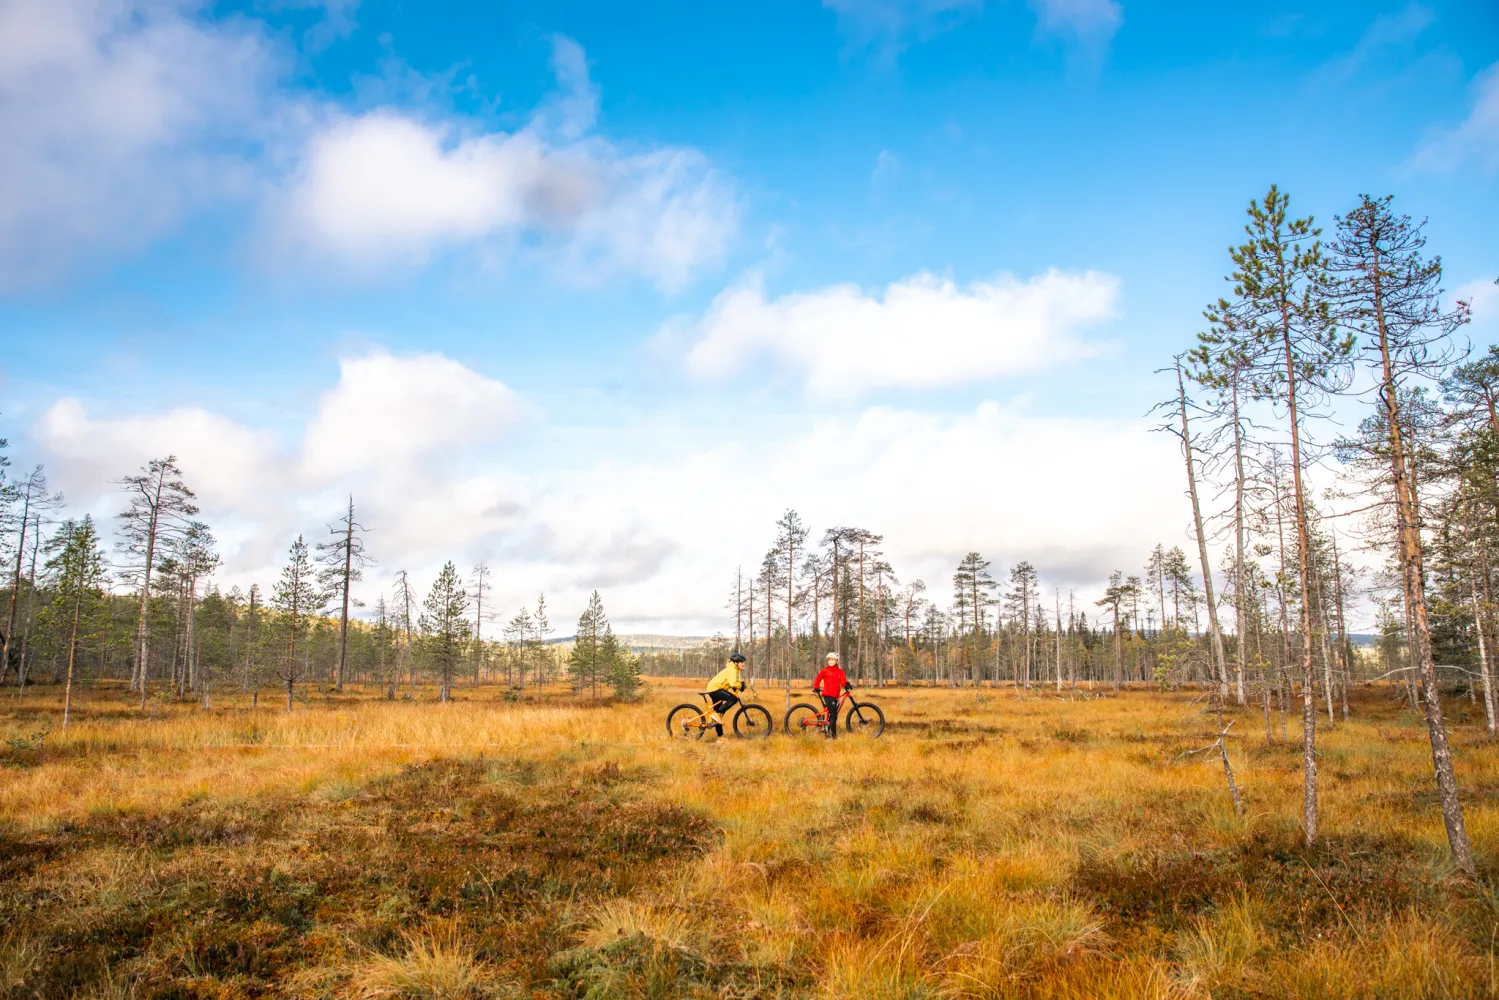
736	657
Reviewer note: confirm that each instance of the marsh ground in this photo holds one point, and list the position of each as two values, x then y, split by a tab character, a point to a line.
987	846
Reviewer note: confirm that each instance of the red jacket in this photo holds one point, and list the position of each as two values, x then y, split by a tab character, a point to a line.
830	682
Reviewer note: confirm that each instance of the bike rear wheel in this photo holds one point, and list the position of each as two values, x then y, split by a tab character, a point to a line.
752	722
686	722
801	720
864	719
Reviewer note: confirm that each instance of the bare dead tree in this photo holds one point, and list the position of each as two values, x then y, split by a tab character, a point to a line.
342	558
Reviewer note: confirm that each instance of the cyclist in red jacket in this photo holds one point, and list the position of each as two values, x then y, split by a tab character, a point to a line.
831	682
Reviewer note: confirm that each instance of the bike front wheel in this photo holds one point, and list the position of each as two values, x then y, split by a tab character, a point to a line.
864	720
752	722
686	722
801	720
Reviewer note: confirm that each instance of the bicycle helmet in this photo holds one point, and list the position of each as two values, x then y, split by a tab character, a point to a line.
736	657
833	657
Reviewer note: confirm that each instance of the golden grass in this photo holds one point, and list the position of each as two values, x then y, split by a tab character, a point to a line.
939	861
437	964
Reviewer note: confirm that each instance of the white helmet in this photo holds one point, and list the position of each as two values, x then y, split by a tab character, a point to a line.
833	657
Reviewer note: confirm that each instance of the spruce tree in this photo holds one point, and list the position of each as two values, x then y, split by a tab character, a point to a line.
587	663
76	571
623	667
297	599
445	627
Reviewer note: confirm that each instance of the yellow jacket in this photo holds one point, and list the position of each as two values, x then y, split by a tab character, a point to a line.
730	678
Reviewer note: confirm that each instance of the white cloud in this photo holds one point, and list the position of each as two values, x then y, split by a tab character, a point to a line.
891	25
1482	296
393	430
1476	138
1385	33
1089	24
228	460
121	117
576	105
117	116
655	514
921	332
386	187
393	413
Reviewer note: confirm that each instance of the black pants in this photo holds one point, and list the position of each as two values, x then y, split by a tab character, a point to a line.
722	701
831	704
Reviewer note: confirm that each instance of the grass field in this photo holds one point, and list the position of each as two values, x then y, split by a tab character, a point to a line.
986	846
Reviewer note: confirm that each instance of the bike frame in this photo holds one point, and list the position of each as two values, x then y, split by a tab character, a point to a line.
705	720
822	716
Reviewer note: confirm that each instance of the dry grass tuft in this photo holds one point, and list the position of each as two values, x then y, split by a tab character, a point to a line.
438	964
619	919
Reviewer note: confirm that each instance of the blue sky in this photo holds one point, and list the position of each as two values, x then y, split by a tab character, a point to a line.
593	291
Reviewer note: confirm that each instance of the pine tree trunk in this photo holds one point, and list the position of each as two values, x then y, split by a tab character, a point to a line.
1343	650
343	622
67	697
1238	544
1412	559
15	590
142	657
1483	662
1202	542
1303	543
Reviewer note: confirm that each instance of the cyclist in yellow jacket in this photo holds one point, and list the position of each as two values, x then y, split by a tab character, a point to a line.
722	687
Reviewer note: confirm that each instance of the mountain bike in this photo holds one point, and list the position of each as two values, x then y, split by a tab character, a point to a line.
750	721
863	719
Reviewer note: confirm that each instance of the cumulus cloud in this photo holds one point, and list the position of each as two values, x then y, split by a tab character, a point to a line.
396	412
387	186
920	332
122	117
228	459
1088	24
118	116
641	513
1476	138
393	427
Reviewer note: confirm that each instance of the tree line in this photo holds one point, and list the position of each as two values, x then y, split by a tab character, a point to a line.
153	615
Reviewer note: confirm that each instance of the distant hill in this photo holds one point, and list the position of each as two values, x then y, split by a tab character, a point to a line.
645	640
641	642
